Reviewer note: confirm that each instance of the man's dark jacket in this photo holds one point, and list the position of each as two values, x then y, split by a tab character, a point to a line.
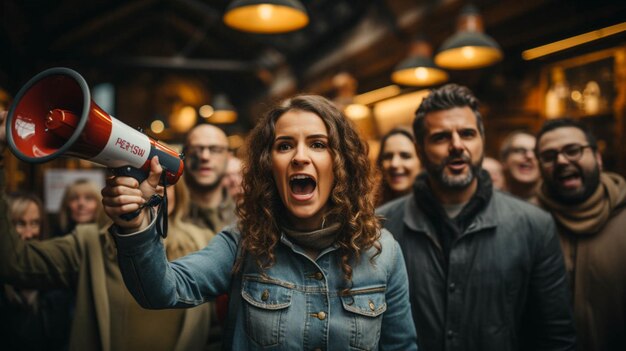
504	287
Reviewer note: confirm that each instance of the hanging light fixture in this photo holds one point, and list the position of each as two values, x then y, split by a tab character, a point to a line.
223	110
469	47
419	69
266	16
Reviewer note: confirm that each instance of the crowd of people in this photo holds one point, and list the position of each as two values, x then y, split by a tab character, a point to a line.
302	245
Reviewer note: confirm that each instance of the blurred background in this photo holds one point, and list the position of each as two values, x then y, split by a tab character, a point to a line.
166	65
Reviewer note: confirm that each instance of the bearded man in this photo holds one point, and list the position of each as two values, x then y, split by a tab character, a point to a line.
589	207
485	269
206	151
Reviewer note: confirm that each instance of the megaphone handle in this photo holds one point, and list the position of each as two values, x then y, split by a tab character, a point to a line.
154	200
129	171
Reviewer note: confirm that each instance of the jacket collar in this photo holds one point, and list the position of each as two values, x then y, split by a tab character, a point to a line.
417	221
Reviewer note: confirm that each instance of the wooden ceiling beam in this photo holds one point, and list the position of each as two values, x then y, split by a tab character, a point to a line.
89	27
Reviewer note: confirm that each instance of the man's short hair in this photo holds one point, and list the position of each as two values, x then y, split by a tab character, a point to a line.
553	124
447	97
505	148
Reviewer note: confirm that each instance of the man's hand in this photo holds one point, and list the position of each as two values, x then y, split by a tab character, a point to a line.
123	195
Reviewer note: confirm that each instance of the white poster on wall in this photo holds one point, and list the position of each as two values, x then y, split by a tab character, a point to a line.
56	180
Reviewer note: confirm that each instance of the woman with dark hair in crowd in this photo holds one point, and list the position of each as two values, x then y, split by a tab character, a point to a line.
307	265
397	164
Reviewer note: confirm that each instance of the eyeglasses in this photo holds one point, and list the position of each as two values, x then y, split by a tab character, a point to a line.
572	152
199	149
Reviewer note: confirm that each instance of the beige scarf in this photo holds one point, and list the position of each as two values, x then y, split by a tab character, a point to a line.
590	216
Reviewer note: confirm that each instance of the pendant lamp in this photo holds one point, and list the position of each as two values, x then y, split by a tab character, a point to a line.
469	47
266	16
224	111
419	69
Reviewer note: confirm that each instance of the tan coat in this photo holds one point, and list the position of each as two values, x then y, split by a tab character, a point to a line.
597	268
593	238
77	262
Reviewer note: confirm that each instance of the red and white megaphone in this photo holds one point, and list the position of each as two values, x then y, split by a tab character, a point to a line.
53	115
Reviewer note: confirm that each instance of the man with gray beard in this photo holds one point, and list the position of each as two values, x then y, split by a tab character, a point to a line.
485	269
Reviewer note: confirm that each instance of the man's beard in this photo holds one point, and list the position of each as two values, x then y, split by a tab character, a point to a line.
589	183
453	182
196	186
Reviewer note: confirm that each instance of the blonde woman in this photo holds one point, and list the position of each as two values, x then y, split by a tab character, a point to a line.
81	204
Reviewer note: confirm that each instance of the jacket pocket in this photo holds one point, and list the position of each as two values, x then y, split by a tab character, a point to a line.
265	307
365	308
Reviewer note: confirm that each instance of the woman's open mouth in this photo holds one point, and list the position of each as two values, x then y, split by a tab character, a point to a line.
302	186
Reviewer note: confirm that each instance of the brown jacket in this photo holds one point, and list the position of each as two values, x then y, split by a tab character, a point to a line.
595	260
214	219
77	261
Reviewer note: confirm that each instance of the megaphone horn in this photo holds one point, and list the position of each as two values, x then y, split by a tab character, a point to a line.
53	115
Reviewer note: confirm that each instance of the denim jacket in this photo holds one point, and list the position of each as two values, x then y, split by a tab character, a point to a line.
296	305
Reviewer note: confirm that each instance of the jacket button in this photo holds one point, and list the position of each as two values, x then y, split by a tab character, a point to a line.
321	315
265	295
450	334
372	306
452	287
319	276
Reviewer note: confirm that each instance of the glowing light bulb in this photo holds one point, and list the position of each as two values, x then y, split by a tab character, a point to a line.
421	73
206	111
468	52
157	126
266	12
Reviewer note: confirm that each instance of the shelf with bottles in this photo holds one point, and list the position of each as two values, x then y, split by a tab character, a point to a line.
580	87
592	89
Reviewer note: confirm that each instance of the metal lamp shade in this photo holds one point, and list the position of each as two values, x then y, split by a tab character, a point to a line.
266	17
418	71
468	50
224	111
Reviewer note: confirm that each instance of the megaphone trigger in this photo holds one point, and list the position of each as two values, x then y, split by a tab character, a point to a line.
129	171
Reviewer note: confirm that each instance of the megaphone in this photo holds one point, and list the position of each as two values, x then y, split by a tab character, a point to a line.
53	115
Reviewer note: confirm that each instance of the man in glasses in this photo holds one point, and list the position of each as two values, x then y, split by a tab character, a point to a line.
485	269
211	206
589	206
206	157
520	167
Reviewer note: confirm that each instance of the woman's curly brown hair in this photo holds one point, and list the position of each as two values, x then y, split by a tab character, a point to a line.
262	207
